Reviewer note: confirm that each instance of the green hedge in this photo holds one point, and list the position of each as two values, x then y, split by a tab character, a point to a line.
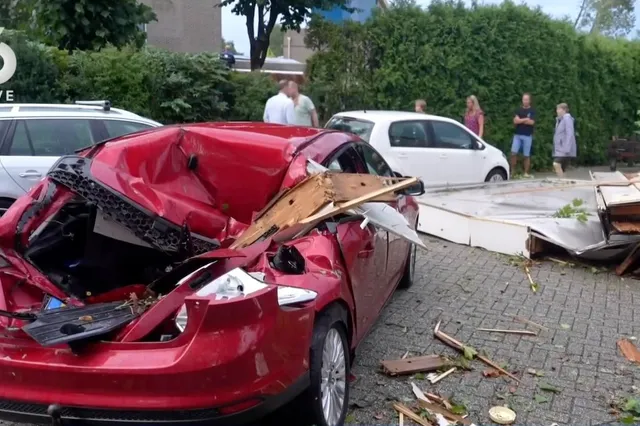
165	86
446	52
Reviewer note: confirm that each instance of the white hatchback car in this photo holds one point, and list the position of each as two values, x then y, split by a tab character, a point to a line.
34	136
436	149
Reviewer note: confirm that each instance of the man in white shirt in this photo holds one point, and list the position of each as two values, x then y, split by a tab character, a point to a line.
279	108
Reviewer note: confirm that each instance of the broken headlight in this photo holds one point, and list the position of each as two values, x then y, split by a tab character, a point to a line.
239	283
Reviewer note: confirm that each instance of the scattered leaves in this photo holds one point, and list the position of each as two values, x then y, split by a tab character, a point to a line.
535	372
469	352
540	399
419	376
491	373
351	418
458	409
546	387
573	210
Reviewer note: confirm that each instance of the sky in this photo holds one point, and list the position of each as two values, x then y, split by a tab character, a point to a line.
234	28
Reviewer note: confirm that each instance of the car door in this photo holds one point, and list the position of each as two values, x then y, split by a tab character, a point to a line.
459	162
364	250
412	146
397	247
34	145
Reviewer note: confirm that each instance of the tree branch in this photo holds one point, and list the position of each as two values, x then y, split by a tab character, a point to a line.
582	9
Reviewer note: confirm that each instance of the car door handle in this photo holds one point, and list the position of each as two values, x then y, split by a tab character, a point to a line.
443	156
30	174
402	155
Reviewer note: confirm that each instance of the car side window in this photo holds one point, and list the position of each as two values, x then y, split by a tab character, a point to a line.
409	134
117	128
346	161
50	137
374	161
451	136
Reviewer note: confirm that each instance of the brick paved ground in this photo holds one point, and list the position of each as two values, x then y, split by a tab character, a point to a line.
467	288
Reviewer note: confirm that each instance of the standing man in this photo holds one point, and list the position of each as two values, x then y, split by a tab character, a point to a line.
279	108
305	111
227	56
524	121
421	106
564	140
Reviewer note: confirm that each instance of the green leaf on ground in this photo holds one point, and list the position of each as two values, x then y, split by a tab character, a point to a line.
628	420
548	388
540	399
458	409
419	376
469	352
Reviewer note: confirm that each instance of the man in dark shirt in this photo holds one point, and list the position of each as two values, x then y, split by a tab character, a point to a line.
524	120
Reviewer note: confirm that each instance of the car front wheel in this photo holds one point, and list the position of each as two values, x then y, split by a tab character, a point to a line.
329	371
496	175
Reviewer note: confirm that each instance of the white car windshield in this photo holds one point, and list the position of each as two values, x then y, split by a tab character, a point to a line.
361	128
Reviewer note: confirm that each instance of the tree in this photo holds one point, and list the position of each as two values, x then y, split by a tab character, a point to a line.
16	14
276	41
92	24
265	14
608	17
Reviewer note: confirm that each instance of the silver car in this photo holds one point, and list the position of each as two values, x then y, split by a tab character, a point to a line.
34	136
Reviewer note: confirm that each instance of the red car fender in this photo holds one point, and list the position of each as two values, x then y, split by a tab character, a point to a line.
325	273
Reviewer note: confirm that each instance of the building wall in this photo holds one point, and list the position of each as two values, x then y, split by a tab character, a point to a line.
293	46
185	25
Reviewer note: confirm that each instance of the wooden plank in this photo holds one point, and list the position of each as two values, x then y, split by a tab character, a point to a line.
629	350
343	207
629	262
309	197
404	410
446	413
413	365
499	330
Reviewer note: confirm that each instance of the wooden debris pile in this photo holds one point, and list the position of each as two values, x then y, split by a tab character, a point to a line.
318	198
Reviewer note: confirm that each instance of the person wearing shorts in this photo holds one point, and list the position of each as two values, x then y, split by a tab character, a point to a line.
564	140
524	121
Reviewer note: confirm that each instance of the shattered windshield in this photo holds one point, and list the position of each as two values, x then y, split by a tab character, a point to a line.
361	128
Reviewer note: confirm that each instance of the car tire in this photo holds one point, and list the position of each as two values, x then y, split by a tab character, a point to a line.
496	175
329	335
409	269
5	203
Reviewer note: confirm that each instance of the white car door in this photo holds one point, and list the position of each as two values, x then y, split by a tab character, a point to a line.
35	144
459	160
412	148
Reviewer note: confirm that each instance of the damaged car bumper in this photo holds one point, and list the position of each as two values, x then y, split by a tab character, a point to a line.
217	370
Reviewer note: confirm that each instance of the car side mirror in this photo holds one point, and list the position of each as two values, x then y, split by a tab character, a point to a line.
478	145
414	190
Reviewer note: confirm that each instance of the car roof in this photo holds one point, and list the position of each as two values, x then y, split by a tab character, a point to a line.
381	116
24	110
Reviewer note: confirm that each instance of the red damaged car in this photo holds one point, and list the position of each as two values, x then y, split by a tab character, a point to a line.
122	302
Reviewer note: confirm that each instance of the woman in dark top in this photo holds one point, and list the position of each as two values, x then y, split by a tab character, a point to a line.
474	117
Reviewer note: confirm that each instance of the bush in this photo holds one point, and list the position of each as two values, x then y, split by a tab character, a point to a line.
165	86
448	52
36	77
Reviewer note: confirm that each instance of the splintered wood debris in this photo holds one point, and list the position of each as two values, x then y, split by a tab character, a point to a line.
419	364
318	198
463	348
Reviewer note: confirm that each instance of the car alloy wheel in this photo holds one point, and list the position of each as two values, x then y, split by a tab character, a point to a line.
496	178
334	378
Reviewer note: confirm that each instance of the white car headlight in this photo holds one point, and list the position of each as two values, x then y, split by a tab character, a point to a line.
239	283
